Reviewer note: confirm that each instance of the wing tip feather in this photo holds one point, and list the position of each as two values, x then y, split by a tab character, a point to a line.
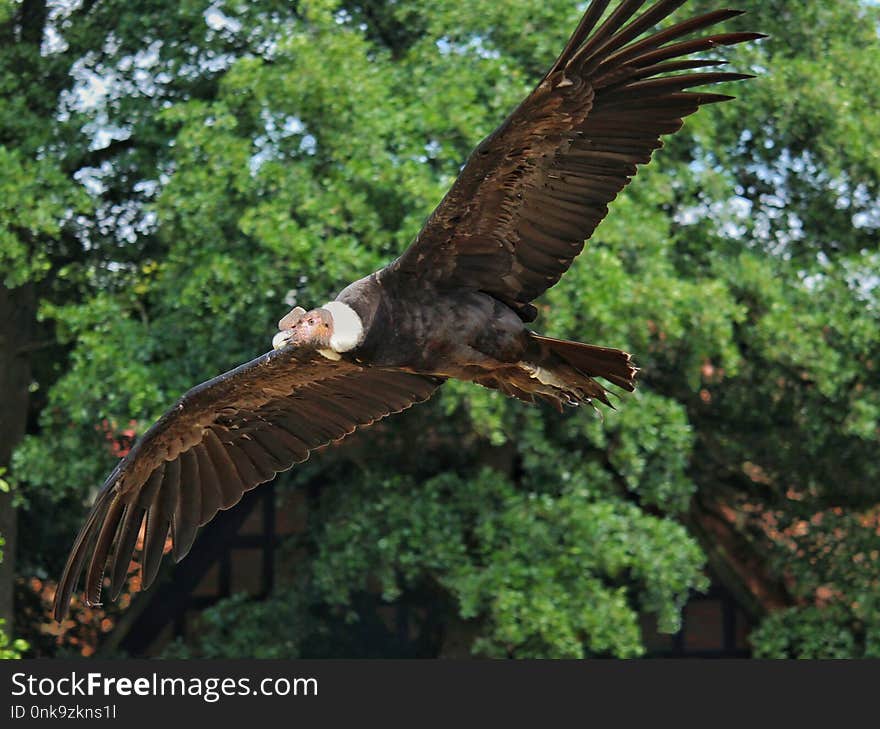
82	545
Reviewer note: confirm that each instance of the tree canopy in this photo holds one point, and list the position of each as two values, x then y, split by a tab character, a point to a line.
176	175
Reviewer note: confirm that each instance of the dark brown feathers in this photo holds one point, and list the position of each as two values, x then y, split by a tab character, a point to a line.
538	186
221	439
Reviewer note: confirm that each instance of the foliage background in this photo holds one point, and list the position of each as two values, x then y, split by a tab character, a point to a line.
174	175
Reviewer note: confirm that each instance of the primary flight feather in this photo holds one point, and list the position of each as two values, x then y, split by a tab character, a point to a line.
454	305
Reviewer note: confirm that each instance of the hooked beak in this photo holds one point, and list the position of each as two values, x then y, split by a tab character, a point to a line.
282	339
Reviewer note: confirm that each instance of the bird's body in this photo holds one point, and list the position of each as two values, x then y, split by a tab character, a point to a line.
419	327
456	304
431	330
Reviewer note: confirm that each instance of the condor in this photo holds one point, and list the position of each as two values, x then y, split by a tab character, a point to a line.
456	304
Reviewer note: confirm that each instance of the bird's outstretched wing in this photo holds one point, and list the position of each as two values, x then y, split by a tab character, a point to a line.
221	439
538	186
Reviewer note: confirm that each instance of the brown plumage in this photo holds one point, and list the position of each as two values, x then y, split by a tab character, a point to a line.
453	305
538	186
221	439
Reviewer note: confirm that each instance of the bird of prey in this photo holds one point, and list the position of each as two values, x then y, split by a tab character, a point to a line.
456	304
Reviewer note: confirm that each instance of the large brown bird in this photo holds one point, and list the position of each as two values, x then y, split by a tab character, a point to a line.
455	304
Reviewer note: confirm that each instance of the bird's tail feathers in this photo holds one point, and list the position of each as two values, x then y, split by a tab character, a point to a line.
562	373
613	365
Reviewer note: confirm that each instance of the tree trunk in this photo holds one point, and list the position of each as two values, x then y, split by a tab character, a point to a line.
17	317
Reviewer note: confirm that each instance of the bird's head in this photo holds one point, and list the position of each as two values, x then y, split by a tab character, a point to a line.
335	327
304	327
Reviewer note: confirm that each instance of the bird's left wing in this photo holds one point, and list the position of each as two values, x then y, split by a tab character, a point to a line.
538	186
221	439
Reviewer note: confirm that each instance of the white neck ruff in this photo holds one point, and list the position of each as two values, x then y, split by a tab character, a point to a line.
348	329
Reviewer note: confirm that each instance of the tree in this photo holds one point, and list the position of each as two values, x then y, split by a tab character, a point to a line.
81	151
262	155
786	474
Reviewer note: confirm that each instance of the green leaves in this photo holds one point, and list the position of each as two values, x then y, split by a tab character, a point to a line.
809	633
270	156
554	574
10	649
35	199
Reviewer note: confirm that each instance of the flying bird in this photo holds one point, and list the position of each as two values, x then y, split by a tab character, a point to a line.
455	304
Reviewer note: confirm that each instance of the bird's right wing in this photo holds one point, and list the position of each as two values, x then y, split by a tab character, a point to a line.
221	439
